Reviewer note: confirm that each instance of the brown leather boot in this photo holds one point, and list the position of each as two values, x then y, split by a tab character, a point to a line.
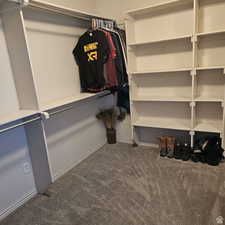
170	146
162	146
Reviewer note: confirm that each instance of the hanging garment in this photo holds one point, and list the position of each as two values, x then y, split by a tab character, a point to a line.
123	98
91	53
110	65
122	35
122	76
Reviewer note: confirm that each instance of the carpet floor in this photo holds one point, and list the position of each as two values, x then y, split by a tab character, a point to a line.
121	185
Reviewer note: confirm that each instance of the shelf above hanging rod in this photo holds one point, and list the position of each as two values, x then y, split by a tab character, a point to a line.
64	10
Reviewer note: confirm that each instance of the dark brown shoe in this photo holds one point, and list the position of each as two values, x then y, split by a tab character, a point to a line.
163	146
170	146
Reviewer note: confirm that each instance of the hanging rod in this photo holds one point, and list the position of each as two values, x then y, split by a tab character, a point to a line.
19	125
48	115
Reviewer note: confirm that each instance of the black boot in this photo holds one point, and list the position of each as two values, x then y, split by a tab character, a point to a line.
187	152
178	150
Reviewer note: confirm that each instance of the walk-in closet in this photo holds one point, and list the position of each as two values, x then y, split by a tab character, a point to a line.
112	112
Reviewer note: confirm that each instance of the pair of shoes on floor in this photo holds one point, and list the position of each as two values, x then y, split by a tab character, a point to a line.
182	152
208	150
167	146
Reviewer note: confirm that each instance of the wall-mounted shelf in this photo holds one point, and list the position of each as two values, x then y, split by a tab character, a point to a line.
160	71
160	99
160	40
177	68
218	32
208	128
158	7
73	99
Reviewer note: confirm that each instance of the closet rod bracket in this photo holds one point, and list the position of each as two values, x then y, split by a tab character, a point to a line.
45	115
22	3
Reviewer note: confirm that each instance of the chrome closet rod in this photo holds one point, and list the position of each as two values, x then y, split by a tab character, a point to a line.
19	125
71	107
60	111
39	117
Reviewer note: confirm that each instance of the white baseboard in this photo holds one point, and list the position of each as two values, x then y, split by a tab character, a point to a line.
145	144
4	213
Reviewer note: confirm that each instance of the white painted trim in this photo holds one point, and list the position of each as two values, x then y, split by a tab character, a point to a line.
145	144
4	213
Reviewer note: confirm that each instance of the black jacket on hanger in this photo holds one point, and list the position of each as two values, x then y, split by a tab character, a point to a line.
120	63
91	53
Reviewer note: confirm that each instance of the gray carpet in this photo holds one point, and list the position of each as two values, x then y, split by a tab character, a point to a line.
120	185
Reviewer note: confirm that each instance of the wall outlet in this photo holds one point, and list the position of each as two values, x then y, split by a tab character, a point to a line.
26	168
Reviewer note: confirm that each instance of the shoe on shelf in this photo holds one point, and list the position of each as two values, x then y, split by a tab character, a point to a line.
170	147
186	152
163	146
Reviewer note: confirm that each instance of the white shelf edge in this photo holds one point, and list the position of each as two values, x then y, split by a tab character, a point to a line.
70	100
159	41
161	71
208	99
202	34
155	7
211	68
203	127
139	123
20	114
159	99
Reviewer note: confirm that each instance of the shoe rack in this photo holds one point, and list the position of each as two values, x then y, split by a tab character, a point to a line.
176	65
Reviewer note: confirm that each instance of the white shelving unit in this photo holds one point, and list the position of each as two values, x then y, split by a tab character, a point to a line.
176	65
34	80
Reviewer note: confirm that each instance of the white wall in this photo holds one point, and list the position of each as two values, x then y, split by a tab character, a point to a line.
16	185
117	8
84	5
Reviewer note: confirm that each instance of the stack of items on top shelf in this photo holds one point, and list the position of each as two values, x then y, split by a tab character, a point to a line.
206	150
101	56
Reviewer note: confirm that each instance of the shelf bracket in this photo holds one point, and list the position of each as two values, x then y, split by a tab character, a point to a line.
45	115
194	39
192	104
23	3
193	72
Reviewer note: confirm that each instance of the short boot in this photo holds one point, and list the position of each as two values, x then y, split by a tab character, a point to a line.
177	150
170	147
163	146
187	152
